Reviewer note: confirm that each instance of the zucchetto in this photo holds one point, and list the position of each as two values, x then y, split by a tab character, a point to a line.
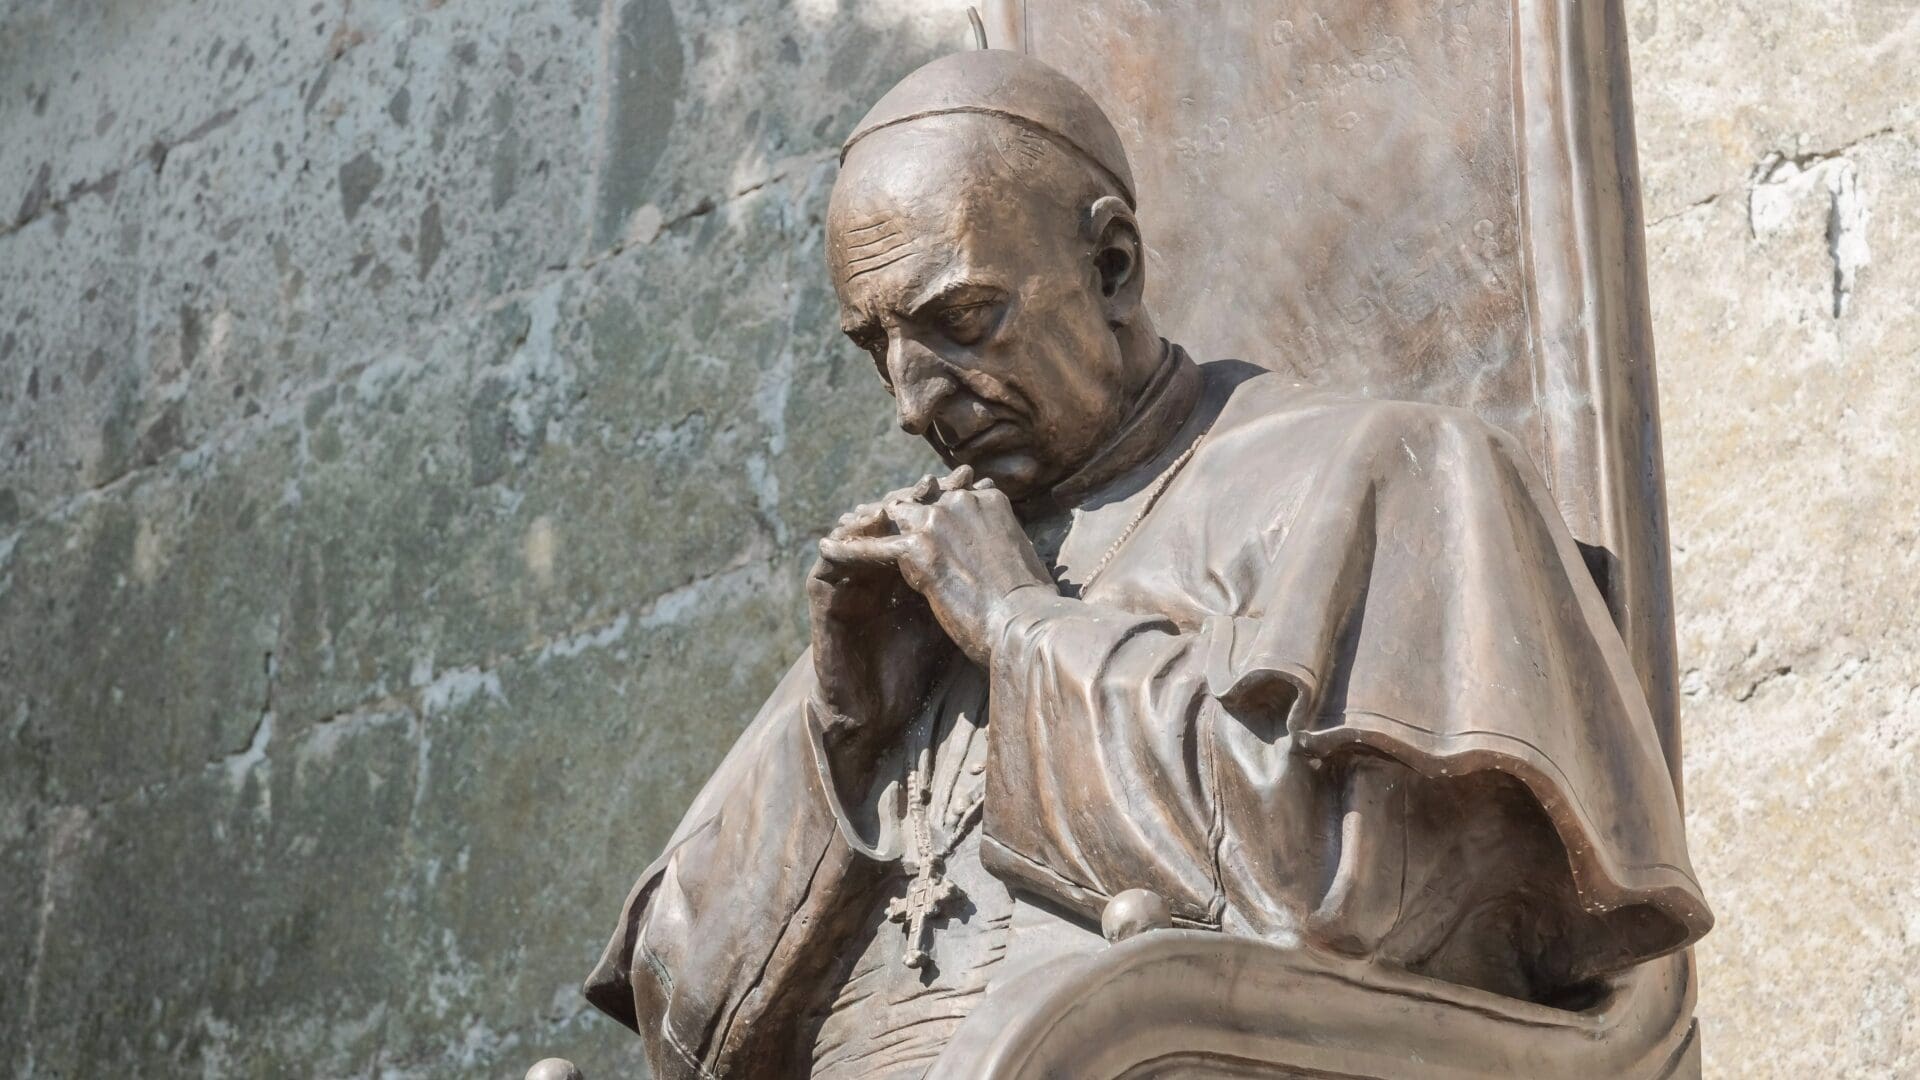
1014	87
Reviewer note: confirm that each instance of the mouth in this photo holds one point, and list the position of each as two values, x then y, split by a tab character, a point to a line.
995	436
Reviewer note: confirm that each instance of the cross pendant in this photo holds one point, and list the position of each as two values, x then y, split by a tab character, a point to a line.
926	894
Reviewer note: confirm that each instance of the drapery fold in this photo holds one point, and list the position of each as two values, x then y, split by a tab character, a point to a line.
1338	607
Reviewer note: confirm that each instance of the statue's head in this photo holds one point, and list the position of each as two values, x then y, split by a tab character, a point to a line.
982	241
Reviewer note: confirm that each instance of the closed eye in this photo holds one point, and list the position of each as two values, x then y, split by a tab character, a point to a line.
873	342
967	324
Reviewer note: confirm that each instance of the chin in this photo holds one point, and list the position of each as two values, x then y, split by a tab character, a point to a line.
1017	474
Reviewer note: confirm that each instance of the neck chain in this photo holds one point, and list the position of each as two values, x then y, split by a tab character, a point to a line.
928	891
1159	488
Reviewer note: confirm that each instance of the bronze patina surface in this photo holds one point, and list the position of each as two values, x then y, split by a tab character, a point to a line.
1309	700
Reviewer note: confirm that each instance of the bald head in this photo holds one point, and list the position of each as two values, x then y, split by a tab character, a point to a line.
982	242
957	176
966	133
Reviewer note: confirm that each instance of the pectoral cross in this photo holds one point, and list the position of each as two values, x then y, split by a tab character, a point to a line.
928	890
926	894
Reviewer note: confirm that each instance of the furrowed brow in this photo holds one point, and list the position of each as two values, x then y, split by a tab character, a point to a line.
866	326
867	264
946	293
872	240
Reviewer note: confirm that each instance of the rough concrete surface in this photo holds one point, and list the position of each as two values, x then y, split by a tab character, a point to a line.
414	416
1780	147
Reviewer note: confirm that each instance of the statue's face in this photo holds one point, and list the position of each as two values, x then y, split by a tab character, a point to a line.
979	300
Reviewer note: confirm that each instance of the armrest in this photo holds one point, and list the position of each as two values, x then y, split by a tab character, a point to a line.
1196	1003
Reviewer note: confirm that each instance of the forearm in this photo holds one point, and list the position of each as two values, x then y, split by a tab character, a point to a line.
768	886
1100	772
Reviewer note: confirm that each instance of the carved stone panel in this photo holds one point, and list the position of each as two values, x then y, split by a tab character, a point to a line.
1333	192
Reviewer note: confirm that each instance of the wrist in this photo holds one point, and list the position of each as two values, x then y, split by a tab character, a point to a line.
1014	603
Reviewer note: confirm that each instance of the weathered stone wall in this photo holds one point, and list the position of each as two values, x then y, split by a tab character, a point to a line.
1780	153
414	416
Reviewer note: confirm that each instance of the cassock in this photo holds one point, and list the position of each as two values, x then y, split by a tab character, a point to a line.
1320	669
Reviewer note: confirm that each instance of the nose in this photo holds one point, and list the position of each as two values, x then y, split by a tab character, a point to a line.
920	384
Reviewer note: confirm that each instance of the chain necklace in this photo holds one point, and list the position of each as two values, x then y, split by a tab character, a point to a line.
1159	488
929	890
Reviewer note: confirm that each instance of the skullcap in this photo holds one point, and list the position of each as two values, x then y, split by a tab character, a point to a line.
1014	87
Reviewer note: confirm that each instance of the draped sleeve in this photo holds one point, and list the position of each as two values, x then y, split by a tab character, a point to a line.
725	935
1419	601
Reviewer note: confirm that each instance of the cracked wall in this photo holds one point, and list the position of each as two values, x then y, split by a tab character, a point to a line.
416	414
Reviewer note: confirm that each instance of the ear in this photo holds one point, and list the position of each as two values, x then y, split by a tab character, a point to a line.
1117	262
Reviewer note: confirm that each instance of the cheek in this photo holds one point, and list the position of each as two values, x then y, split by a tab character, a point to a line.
1063	355
1084	361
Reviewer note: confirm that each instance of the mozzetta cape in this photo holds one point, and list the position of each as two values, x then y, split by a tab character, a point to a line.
1328	580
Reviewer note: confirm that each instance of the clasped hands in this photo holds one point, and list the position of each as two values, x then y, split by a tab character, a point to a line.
903	581
953	540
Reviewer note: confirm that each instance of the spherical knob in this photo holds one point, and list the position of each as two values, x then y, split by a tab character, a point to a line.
1134	912
554	1069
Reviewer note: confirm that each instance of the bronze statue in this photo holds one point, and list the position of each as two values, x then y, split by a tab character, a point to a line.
1261	661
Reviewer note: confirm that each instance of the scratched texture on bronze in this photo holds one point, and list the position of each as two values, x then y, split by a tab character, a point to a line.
1202	722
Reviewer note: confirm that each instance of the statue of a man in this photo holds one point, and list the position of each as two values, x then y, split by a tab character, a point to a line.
1322	670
